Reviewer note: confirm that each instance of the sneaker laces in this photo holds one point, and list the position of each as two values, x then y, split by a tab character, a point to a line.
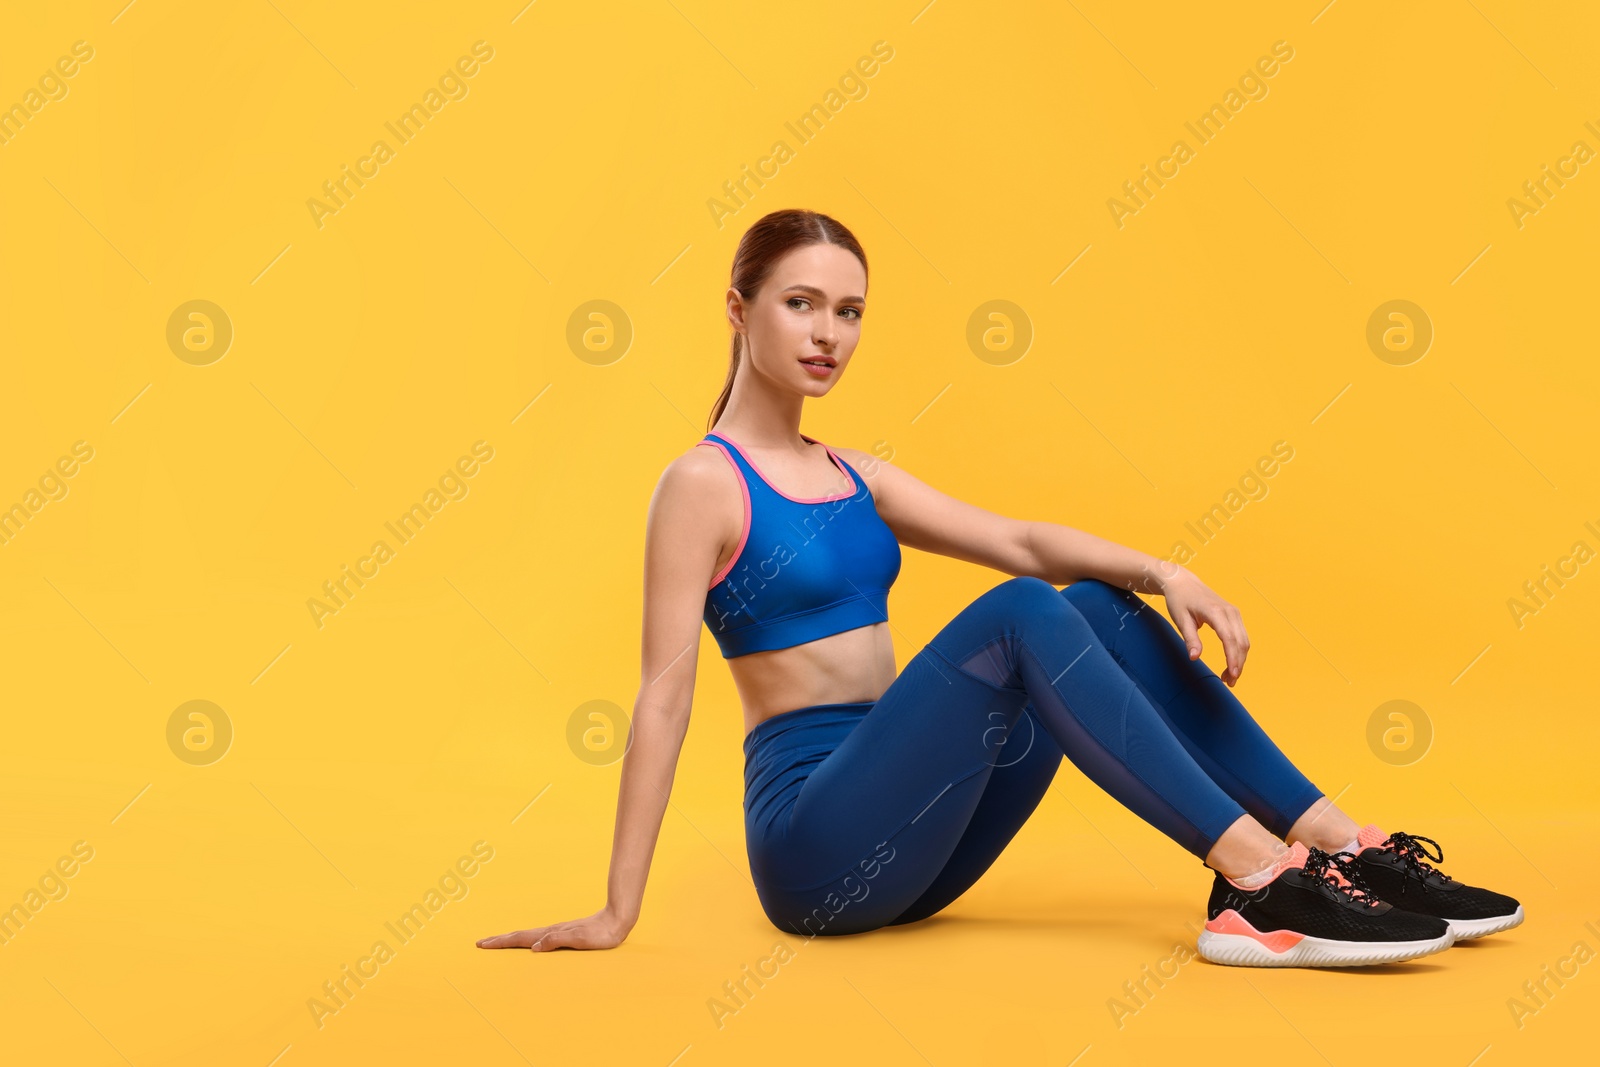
1409	848
1345	876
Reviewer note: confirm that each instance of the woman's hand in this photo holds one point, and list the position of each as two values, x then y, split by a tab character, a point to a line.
603	929
1191	602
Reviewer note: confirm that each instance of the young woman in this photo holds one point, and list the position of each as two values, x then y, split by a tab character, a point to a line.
874	797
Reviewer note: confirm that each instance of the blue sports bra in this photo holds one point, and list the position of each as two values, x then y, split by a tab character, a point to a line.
804	567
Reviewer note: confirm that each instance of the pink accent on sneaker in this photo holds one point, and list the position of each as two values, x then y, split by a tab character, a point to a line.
1369	835
1338	875
1295	857
1231	922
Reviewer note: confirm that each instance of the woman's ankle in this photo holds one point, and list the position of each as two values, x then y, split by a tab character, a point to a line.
1246	848
1323	826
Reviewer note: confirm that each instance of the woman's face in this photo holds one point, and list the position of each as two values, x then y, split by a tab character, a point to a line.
809	309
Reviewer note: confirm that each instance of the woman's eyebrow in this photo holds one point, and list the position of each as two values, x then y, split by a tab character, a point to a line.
814	291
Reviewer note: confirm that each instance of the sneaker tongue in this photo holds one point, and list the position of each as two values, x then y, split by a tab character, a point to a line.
1331	871
1295	857
1369	835
1338	875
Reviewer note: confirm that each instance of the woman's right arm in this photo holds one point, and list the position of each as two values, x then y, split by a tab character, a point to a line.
683	538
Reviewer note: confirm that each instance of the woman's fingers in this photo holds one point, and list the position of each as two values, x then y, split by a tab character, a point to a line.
1187	627
556	937
515	939
600	930
1230	627
1191	603
499	941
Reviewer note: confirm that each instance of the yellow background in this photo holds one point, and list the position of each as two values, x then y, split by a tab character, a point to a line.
432	311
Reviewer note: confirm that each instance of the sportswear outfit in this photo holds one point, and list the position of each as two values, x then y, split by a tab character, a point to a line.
867	814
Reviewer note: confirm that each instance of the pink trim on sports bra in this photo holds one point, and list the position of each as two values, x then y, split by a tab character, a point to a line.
837	462
744	535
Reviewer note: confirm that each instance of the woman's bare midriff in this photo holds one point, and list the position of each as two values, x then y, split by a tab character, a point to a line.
856	665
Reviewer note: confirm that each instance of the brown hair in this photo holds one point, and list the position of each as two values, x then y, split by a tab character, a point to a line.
770	239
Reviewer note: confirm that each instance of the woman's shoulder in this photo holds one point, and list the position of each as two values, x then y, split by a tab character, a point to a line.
703	455
699	472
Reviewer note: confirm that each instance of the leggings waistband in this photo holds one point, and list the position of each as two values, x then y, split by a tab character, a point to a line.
810	716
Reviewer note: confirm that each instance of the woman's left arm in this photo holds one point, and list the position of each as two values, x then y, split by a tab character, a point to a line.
923	517
1066	555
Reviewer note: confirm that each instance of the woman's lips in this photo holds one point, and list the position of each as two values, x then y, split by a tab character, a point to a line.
817	370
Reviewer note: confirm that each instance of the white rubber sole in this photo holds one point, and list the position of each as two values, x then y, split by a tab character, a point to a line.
1467	929
1242	950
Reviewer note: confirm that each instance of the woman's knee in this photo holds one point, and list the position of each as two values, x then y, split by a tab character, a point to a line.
1107	607
1093	593
1026	595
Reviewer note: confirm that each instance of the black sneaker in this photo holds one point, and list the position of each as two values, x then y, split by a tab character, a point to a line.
1312	915
1396	867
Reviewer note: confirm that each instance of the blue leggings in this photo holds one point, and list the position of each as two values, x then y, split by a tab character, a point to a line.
872	814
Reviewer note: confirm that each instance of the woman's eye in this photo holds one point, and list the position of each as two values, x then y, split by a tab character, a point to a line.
793	300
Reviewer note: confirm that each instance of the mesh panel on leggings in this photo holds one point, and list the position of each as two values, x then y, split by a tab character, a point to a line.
994	663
